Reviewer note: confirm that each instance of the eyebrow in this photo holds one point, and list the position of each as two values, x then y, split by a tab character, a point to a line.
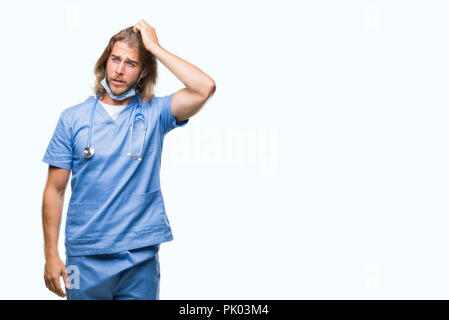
129	60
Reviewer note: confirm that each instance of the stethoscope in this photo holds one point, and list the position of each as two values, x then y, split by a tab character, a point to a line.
89	151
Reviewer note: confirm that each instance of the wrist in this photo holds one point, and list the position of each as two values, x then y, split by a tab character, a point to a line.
51	254
155	49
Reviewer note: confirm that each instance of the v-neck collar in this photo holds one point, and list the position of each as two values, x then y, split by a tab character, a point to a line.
107	117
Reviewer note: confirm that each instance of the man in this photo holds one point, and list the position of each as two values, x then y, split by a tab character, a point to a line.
112	145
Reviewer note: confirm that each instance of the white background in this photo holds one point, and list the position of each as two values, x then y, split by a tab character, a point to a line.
318	170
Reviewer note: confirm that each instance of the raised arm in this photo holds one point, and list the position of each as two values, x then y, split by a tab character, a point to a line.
198	85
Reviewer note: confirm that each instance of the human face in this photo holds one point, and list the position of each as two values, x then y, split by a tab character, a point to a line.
122	68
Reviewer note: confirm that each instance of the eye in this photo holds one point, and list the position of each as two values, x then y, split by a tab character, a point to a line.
131	64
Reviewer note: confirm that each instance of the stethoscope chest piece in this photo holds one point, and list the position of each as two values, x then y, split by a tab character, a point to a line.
88	152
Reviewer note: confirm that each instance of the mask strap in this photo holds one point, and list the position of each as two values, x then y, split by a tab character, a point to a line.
140	74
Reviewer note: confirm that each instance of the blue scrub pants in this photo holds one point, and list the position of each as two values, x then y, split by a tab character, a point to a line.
126	275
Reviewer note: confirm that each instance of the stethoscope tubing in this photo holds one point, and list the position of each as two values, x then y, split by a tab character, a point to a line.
91	119
139	115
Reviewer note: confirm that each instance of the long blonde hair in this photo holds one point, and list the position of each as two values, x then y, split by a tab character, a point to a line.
133	39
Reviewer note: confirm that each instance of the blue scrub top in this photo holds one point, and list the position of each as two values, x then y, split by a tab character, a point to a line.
116	202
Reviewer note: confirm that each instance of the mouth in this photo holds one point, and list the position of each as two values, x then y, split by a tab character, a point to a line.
117	82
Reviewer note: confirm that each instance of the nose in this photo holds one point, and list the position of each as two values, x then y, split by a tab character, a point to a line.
119	68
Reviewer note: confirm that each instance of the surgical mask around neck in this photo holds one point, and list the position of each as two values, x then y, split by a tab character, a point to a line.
123	96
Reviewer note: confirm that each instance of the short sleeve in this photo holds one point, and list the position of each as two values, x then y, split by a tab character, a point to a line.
167	119
59	150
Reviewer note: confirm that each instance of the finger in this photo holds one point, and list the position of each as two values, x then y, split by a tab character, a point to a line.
47	283
50	286
142	25
65	276
57	287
